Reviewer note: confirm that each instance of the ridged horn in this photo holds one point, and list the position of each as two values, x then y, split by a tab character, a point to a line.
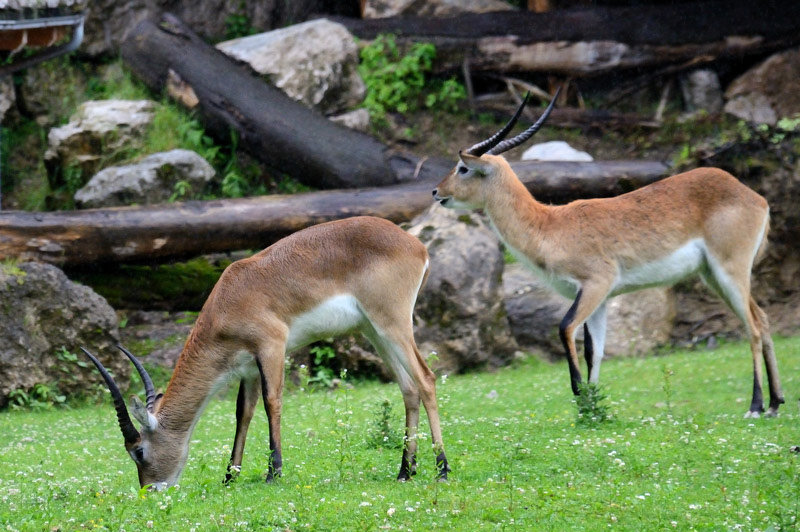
528	133
129	432
149	389
482	147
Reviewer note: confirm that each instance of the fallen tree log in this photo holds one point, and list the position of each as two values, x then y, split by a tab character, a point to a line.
280	132
595	40
172	231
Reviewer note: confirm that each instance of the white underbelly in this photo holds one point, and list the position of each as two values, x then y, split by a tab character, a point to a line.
684	261
334	316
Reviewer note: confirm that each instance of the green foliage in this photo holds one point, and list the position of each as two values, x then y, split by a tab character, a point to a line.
131	285
238	24
383	431
519	461
399	82
323	354
591	404
41	396
11	267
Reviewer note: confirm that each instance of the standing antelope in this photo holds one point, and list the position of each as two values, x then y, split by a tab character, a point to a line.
361	273
703	221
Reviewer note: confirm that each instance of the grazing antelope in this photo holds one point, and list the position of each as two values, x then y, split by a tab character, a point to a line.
703	221
361	274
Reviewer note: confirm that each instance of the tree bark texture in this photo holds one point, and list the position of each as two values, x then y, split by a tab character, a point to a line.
595	40
172	231
275	129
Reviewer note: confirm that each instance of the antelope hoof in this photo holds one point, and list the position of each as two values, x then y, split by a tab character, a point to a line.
232	474
752	414
772	412
273	475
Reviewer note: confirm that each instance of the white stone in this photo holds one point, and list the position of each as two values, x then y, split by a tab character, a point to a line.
98	126
315	62
556	150
753	107
152	180
357	119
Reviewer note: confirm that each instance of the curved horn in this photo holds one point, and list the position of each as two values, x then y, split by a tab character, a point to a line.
528	133
482	147
129	432
149	389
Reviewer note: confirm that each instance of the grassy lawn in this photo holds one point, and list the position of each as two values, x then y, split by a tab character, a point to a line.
676	454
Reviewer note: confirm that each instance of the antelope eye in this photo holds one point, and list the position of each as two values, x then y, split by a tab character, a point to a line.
138	455
462	170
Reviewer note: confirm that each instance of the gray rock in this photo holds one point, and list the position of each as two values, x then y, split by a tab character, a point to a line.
96	128
460	312
534	310
108	22
768	91
753	107
152	180
555	150
638	322
701	91
315	62
435	8
42	312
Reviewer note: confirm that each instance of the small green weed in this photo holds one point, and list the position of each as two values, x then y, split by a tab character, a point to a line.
591	404
383	432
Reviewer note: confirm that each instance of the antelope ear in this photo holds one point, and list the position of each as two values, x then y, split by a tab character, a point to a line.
140	412
478	165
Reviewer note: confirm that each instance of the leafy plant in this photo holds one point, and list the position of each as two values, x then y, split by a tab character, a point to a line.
591	406
398	82
381	432
40	397
238	24
324	375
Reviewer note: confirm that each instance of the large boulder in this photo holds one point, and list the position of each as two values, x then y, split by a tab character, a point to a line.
638	322
46	318
152	180
460	313
315	62
432	8
97	128
768	91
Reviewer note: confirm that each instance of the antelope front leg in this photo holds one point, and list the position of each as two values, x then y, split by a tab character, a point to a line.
245	406
270	366
589	298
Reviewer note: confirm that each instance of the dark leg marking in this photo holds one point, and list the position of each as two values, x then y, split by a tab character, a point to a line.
275	458
441	466
588	348
408	467
240	398
574	371
757	405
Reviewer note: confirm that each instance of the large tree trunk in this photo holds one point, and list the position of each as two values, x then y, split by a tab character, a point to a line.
163	232
594	40
275	129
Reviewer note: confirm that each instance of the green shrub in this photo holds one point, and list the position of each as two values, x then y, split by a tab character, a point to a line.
399	83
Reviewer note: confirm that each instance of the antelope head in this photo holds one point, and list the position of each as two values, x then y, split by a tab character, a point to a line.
159	454
480	169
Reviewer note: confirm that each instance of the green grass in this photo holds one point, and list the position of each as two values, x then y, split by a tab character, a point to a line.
676	454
